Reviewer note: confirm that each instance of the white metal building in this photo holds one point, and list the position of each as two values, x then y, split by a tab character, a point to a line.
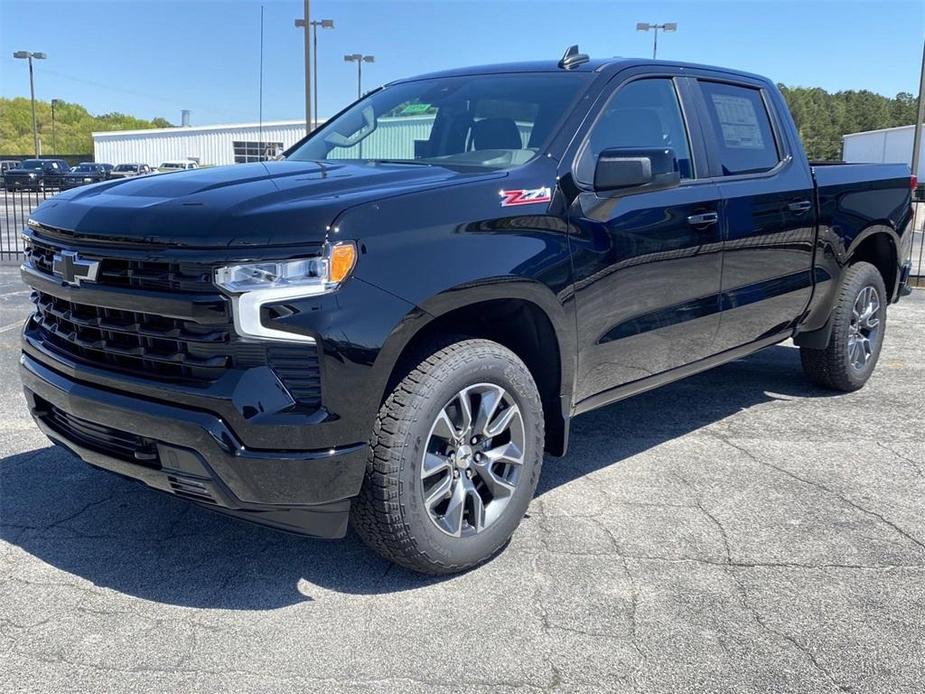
886	146
206	144
214	145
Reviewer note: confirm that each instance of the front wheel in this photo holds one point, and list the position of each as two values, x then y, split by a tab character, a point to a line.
455	456
858	327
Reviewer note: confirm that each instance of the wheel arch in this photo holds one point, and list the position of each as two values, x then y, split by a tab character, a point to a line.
878	244
522	315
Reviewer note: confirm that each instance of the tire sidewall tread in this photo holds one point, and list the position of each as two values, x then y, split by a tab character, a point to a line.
389	514
831	367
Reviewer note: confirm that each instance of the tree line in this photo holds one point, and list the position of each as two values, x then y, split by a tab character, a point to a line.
72	127
821	117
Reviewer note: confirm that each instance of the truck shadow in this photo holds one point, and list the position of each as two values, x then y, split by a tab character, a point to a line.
120	535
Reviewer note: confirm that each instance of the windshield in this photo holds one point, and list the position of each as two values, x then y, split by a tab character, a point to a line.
125	167
171	166
32	164
84	168
476	121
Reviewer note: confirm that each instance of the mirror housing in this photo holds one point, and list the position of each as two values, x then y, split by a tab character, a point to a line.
636	167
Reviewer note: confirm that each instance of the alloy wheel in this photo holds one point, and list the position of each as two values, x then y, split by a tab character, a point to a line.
473	460
864	328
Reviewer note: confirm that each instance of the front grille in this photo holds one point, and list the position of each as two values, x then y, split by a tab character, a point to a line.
152	346
98	437
139	343
147	275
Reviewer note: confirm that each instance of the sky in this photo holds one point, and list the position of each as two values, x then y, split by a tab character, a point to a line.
153	58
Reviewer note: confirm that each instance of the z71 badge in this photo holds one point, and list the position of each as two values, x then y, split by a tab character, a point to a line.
525	196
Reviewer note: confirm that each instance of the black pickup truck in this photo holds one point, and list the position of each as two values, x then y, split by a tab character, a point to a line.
84	173
394	323
36	174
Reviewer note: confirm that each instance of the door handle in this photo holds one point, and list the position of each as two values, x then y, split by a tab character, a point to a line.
703	219
800	207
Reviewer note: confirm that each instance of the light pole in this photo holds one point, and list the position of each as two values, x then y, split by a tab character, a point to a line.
54	139
645	26
359	59
304	23
28	55
917	132
324	24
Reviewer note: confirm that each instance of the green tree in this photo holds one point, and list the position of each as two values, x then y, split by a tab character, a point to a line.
73	125
823	118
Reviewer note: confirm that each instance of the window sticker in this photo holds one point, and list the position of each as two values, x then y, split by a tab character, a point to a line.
738	121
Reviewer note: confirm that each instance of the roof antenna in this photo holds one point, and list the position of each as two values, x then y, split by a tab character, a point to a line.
572	58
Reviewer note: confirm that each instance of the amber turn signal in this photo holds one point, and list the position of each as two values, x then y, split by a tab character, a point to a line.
343	258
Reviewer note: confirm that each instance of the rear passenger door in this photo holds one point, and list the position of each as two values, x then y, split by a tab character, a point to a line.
767	214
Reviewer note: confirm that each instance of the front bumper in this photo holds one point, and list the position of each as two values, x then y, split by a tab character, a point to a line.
69	183
195	455
18	183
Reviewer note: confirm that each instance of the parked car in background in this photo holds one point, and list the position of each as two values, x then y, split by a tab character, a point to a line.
84	173
107	168
36	174
7	164
168	166
129	170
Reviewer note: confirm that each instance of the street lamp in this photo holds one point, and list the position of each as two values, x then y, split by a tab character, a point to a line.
359	59
28	55
304	24
324	24
645	26
54	141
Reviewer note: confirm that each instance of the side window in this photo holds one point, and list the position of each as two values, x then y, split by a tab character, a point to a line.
644	113
741	128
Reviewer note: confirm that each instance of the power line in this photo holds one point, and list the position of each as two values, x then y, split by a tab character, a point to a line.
145	95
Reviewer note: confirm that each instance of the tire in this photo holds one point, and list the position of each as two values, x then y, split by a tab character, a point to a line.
840	366
391	514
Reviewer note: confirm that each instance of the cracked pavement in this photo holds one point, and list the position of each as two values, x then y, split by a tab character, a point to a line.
739	531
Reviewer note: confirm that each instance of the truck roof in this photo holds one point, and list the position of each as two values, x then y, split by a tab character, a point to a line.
601	65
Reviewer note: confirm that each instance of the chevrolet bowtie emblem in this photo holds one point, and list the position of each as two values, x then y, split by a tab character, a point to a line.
73	269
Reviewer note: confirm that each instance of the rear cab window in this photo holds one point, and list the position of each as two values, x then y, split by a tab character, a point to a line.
742	133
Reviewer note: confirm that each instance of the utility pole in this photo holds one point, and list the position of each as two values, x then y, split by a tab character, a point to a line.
645	26
305	23
54	139
28	55
917	134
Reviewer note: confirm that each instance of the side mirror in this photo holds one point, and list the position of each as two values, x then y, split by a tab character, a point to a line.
636	167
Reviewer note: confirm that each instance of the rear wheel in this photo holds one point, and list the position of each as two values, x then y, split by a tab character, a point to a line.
858	326
454	460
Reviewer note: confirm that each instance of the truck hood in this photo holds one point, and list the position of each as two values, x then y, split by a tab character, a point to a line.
276	203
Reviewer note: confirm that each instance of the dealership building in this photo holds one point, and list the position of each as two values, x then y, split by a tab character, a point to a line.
205	144
215	145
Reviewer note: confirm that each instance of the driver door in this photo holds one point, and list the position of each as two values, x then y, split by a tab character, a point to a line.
647	263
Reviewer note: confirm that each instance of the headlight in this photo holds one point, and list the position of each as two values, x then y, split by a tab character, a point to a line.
255	284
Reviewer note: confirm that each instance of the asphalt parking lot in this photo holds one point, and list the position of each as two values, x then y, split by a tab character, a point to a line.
740	531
